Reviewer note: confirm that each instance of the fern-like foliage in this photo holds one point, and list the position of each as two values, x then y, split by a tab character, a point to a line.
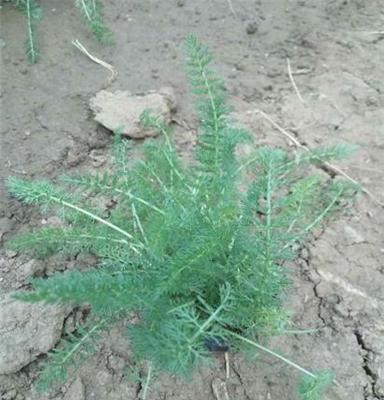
32	11
198	250
91	11
312	388
74	347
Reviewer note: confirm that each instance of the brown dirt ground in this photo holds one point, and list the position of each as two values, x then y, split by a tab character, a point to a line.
337	59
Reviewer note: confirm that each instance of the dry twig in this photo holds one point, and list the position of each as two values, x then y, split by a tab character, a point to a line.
226	357
96	60
219	389
376	33
231	8
293	81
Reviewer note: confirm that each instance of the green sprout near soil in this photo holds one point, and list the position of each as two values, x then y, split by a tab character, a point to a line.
196	251
92	13
90	9
32	11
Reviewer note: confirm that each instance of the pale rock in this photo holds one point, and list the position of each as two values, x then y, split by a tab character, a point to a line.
26	331
123	109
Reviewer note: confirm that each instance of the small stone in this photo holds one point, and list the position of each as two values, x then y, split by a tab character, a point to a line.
180	3
252	28
122	109
240	67
372	101
273	73
98	158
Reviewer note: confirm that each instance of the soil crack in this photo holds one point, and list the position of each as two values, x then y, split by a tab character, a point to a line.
372	377
307	260
237	373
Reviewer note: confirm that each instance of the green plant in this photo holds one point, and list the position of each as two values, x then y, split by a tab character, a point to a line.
90	9
197	251
92	13
32	11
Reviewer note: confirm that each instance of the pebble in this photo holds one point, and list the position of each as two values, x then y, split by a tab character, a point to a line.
252	28
97	157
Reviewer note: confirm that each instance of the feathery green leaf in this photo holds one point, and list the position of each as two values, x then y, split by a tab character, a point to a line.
197	251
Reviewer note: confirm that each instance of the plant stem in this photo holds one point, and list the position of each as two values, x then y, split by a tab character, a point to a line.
32	51
147	381
96	218
86	10
83	339
211	318
316	220
139	223
271	352
214	111
123	192
140	200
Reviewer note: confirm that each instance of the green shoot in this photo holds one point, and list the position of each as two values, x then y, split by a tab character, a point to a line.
92	14
201	261
90	9
69	356
147	382
32	11
312	388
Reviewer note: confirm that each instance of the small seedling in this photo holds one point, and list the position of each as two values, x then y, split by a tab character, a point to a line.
196	251
32	11
92	14
90	9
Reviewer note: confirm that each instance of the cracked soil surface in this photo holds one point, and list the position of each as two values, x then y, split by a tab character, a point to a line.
336	53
